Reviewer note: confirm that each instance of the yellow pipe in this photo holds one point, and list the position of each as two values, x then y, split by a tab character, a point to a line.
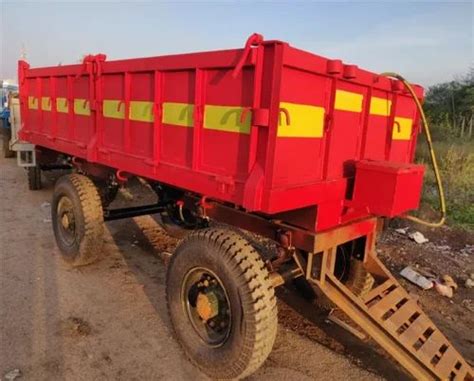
426	127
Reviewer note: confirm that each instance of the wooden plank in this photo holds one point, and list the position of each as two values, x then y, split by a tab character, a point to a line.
402	315
378	290
387	302
446	364
415	331
465	373
432	345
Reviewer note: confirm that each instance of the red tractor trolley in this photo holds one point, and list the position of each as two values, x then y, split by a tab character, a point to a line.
308	152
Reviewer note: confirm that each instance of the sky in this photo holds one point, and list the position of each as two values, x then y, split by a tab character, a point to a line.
428	42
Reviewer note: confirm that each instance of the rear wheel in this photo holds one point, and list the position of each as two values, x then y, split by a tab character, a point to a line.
34	178
78	221
221	303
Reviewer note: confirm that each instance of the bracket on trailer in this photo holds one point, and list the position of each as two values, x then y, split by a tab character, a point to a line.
26	154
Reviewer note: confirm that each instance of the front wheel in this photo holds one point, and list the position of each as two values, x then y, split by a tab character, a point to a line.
221	303
78	220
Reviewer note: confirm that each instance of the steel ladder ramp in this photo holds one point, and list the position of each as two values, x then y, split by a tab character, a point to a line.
395	321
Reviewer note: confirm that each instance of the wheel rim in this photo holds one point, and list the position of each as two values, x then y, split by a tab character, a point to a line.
66	220
206	302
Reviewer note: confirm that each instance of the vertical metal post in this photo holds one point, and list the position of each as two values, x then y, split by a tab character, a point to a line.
365	125
157	117
391	122
257	91
70	105
54	110
329	121
39	93
199	101
127	132
99	113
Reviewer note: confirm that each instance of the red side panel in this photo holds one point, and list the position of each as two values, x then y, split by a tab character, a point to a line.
378	128
225	151
298	159
176	144
345	129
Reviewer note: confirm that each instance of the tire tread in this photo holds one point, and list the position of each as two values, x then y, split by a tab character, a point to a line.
257	296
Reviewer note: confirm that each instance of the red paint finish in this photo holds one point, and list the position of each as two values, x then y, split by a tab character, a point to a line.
258	170
387	189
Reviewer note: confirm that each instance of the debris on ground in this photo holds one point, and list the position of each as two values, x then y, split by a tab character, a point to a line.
46	211
468	304
402	230
75	326
416	278
418	237
445	286
444	290
447	280
12	375
469	282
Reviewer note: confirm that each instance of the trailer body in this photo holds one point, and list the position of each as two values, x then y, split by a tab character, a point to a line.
270	128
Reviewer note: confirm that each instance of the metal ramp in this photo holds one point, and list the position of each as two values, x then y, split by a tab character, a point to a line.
394	320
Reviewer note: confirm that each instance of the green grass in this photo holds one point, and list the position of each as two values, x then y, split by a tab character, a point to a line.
456	163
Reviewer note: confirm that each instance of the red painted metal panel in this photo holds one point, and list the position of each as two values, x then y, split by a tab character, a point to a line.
397	190
205	126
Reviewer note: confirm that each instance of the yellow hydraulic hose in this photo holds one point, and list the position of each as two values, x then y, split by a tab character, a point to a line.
426	127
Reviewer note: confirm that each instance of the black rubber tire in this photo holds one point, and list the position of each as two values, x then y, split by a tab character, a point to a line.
360	281
171	228
86	247
6	137
251	298
34	178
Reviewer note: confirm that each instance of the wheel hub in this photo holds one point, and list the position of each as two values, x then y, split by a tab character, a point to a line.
66	220
207	305
206	302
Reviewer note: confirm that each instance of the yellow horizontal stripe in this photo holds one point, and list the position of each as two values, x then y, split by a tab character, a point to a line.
402	128
305	121
32	103
380	106
348	101
226	118
114	109
82	107
178	114
62	105
141	111
46	103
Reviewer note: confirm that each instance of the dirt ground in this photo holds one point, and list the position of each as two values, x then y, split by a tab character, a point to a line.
108	321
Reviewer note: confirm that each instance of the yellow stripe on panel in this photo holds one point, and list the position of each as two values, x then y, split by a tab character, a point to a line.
402	128
380	106
141	111
348	101
46	103
305	121
114	109
179	114
226	118
32	103
82	107
62	105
